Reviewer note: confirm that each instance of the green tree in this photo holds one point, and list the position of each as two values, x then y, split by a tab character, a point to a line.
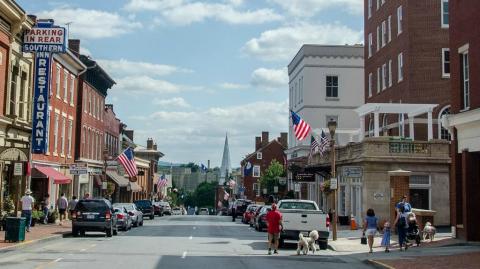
270	177
205	194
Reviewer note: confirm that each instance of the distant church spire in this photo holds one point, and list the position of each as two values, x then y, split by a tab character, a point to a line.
226	167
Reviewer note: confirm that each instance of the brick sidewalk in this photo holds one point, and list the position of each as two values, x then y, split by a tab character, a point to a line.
464	261
37	233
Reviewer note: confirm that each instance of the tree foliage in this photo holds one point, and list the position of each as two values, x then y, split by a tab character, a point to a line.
270	176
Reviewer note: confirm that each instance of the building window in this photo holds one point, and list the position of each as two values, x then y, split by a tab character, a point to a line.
389	73
85	99
445	62
420	186
22	101
378	38
369	8
83	141
62	138
370	84
69	141
13	90
401	125
465	81
378	4
55	133
370	45
65	86
94	104
90	103
256	171
72	89
256	189
295	95
332	86
445	20
57	83
389	28
399	19
370	127
384	33
443	132
384	76
259	155
400	66
379	81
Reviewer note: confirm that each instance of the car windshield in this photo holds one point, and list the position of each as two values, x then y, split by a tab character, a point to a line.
91	206
118	210
297	205
143	203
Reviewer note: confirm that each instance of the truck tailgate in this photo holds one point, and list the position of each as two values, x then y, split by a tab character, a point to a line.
303	220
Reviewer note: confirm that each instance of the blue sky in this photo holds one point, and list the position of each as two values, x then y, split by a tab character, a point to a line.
189	71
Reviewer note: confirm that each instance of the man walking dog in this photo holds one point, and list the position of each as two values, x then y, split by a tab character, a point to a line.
274	219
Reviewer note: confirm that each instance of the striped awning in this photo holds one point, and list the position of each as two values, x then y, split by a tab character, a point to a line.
118	179
135	187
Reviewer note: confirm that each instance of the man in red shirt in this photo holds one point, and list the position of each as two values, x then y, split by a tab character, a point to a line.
274	221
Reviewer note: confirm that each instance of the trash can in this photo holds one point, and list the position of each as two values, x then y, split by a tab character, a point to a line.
15	229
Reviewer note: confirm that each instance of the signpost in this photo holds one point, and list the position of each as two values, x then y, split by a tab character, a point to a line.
78	169
333	183
18	169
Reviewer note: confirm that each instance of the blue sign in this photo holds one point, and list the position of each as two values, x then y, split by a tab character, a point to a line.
40	102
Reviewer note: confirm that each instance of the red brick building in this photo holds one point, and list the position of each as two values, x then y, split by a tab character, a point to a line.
50	173
407	61
92	87
465	123
265	152
112	131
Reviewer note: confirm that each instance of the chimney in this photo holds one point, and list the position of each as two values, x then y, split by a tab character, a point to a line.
155	146
129	134
264	138
283	139
74	46
258	143
149	143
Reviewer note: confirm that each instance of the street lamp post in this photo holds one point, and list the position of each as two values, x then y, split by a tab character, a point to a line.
332	126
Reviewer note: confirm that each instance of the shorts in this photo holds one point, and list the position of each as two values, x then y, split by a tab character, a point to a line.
371	232
273	237
61	211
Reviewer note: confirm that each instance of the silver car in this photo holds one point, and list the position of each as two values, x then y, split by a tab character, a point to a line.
135	214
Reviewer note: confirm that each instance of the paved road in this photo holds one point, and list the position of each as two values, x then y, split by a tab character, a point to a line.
171	242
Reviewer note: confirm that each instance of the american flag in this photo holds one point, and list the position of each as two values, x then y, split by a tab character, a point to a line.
300	127
313	146
225	195
232	183
162	182
324	142
128	162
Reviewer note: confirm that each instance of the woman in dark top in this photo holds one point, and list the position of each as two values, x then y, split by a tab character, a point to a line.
401	224
370	225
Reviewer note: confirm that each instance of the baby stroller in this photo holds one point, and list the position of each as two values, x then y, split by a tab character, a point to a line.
413	231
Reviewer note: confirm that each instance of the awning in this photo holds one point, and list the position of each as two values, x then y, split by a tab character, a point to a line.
135	187
120	180
58	178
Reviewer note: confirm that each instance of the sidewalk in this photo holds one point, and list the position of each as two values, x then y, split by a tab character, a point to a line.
38	233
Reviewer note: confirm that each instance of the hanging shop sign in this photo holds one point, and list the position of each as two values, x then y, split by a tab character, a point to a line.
18	169
45	37
304	177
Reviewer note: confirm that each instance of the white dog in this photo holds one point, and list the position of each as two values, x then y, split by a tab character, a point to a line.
429	231
302	245
312	238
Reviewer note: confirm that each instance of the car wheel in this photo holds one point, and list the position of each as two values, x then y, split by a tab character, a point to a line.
141	223
109	231
82	233
75	232
115	232
281	243
152	216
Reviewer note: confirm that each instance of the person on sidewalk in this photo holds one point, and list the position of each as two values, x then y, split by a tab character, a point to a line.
370	225
234	210
402	226
62	205
406	205
72	204
46	207
386	236
27	206
86	196
274	220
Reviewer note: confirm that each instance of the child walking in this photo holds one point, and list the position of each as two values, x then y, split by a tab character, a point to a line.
386	236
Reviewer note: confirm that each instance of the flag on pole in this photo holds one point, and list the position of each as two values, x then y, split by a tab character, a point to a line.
324	142
313	146
162	182
203	168
247	170
128	162
225	195
300	127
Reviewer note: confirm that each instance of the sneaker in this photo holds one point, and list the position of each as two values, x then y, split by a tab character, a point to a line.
269	252
387	250
28	230
275	252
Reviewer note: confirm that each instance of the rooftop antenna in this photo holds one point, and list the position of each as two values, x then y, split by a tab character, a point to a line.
68	28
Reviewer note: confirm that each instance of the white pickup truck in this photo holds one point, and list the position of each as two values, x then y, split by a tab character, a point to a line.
303	216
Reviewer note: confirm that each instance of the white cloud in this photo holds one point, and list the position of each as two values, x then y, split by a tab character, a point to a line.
205	130
146	84
85	51
91	24
171	103
307	8
125	67
233	86
282	43
264	78
186	12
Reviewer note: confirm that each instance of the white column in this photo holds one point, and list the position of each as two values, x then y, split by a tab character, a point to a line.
430	125
411	127
362	128
376	124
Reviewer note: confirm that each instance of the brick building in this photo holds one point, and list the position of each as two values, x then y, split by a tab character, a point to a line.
152	155
407	61
90	129
265	152
50	173
465	123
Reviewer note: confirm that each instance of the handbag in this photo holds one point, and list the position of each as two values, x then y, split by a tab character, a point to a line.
363	239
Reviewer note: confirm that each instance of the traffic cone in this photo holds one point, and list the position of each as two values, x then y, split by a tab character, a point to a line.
353	223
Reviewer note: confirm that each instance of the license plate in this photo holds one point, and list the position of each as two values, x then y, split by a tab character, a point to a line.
90	216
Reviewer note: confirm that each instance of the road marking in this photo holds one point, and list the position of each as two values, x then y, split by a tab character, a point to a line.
44	265
184	255
191	237
83	249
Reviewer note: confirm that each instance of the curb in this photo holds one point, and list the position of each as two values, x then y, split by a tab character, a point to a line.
377	264
28	243
332	248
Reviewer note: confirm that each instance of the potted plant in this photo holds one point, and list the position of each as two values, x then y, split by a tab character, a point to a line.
37	215
7	209
52	216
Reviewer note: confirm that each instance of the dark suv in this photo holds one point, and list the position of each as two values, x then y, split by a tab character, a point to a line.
146	207
94	215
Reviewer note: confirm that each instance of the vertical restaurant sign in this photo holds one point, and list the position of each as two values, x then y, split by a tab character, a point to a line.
40	102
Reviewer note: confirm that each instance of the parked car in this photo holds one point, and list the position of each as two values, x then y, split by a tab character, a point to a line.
146	207
124	220
247	215
261	220
254	216
135	214
94	215
166	209
158	209
176	211
203	211
241	206
303	216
